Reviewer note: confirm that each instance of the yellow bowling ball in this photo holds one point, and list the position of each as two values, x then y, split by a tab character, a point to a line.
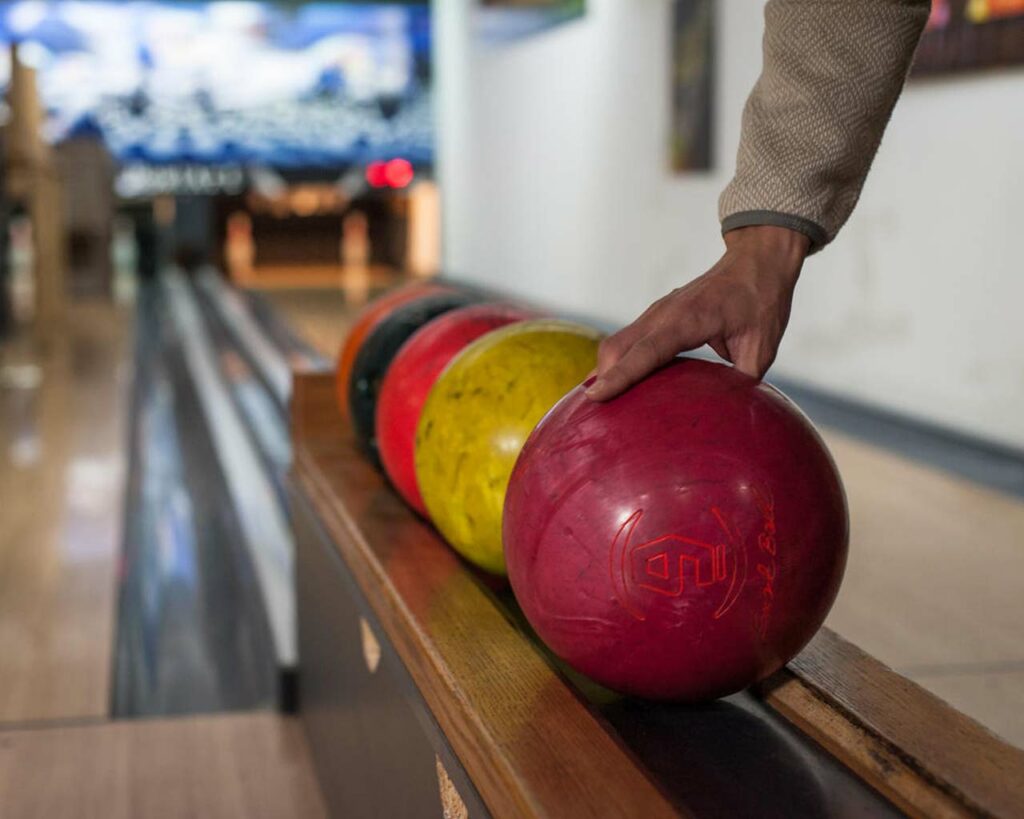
477	417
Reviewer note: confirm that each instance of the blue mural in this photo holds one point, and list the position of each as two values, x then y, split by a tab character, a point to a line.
316	85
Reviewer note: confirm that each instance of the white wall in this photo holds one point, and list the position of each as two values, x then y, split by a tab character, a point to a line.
553	164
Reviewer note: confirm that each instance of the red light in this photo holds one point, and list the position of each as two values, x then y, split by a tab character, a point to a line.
398	173
377	174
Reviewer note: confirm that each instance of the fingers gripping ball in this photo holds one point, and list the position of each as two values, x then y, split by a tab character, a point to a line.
477	416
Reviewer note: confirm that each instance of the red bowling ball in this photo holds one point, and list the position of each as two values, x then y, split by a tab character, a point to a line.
411	375
681	541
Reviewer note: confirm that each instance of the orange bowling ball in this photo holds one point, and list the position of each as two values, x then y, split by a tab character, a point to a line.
367	319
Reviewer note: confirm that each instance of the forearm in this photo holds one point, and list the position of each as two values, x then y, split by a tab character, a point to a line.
833	70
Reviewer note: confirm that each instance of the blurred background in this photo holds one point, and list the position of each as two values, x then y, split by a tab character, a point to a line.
198	196
219	128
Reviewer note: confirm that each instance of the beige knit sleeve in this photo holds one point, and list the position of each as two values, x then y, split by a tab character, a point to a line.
832	72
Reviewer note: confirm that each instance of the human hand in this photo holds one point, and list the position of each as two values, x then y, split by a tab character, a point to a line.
740	307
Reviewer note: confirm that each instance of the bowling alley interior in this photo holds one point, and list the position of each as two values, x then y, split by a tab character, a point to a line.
511	408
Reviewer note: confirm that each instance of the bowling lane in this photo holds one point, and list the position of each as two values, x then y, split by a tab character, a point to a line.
321	312
935	581
62	467
320	316
246	766
935	572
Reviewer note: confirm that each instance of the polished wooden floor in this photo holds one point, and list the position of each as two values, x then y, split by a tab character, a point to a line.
247	766
350	278
935	581
63	443
323	314
321	317
62	468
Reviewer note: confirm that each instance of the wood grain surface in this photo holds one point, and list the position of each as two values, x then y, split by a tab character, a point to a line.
928	547
62	468
247	766
925	756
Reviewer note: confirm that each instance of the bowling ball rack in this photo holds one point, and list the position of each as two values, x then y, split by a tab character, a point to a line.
423	692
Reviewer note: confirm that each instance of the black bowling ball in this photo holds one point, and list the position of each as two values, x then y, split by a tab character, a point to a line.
379	350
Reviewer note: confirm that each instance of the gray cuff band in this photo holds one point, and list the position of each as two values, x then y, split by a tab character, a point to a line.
748	218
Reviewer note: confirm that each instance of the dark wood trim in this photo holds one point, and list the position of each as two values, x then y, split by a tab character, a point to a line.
374	740
919	752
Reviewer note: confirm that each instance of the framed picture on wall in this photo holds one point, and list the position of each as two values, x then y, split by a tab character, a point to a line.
511	19
968	34
692	84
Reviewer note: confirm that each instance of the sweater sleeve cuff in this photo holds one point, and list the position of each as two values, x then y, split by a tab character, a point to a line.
747	218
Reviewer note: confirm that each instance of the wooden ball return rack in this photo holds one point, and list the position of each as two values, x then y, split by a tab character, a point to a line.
424	693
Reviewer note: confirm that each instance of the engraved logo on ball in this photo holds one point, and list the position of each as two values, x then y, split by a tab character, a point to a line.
671	565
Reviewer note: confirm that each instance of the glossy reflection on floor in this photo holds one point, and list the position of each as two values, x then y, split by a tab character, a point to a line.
62	467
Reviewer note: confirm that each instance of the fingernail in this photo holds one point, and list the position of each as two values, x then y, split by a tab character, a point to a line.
593	388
